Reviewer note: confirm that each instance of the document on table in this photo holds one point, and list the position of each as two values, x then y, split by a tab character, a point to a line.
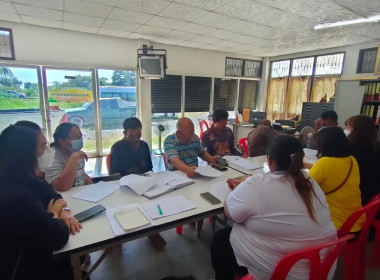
97	191
166	207
220	190
172	182
310	152
129	216
310	156
231	158
141	184
208	171
246	164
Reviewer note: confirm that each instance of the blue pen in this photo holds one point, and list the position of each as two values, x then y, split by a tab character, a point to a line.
159	209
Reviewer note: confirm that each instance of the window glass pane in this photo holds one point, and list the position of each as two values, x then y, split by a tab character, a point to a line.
117	91
280	68
6	44
367	59
302	66
225	94
247	94
20	97
71	90
197	94
329	64
166	107
252	68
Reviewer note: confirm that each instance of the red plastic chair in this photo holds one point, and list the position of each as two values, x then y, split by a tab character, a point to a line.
243	142
374	261
202	123
165	161
319	269
108	163
354	252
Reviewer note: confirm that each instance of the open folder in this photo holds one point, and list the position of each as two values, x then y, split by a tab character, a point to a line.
172	181
155	184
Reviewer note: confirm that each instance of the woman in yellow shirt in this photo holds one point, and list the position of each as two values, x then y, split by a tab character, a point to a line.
337	173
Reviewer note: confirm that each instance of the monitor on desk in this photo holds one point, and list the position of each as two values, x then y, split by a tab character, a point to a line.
256	117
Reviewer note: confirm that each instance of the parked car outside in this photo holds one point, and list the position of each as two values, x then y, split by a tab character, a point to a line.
13	94
111	110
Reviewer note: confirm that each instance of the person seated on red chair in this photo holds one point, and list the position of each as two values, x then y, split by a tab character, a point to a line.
274	214
260	138
130	155
183	148
219	139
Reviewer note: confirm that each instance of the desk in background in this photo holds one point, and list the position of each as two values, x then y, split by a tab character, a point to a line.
97	233
241	130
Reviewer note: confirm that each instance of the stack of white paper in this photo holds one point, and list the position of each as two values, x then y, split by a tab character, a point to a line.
166	207
97	191
310	156
220	190
131	218
116	226
246	164
231	157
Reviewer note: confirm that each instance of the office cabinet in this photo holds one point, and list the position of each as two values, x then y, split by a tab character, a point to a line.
312	111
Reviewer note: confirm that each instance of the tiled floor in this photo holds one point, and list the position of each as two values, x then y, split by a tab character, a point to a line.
183	255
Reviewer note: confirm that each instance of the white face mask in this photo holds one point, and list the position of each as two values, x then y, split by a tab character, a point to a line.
47	158
347	132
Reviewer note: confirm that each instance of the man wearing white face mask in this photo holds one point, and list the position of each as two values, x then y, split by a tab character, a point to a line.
67	169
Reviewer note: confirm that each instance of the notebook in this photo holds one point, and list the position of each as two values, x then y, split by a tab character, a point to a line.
172	181
131	218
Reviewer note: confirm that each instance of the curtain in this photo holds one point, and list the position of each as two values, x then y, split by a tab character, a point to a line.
297	93
276	108
322	86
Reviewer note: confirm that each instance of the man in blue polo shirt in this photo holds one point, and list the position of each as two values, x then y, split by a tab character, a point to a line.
183	148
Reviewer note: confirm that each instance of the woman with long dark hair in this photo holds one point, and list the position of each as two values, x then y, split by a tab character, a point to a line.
68	165
337	173
273	214
365	147
31	228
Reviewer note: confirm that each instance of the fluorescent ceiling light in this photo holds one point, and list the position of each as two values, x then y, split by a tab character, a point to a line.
348	22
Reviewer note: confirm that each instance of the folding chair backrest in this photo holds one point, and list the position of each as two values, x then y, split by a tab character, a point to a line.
319	269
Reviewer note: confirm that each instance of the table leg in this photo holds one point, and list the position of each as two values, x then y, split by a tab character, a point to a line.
75	262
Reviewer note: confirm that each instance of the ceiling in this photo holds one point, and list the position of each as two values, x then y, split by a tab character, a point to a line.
249	27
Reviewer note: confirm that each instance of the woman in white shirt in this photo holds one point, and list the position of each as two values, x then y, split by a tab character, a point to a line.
273	214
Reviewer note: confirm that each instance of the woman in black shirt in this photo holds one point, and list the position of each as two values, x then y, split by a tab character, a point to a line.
31	228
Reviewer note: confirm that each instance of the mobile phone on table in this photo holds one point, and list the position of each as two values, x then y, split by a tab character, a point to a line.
210	198
222	161
86	214
218	166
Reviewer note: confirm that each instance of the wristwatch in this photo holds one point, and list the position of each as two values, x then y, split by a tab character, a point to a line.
65	209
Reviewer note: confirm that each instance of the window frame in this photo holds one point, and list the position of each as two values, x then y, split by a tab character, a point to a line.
12	49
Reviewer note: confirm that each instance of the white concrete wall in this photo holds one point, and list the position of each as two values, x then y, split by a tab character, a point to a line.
38	45
57	47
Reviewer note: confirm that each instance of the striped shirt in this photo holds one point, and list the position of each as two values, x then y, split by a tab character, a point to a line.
188	153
